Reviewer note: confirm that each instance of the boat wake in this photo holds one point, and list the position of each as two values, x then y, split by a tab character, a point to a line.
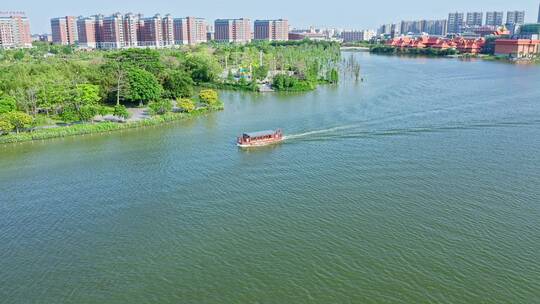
323	131
364	130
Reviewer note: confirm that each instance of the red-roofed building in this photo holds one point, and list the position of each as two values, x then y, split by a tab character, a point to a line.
470	46
517	48
463	45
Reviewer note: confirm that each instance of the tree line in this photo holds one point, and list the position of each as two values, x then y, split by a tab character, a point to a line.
56	84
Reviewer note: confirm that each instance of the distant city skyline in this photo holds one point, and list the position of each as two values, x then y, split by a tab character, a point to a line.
346	14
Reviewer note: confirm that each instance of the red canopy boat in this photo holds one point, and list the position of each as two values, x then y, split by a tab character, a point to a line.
261	138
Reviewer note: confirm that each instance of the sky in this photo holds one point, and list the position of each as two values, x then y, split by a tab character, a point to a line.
346	14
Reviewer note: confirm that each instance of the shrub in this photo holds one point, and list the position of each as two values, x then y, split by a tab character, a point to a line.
5	127
87	113
7	104
160	107
121	111
284	82
186	105
209	97
178	84
19	120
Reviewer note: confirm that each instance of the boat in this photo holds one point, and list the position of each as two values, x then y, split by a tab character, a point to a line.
260	138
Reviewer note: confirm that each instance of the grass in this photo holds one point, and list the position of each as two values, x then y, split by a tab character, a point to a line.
103	127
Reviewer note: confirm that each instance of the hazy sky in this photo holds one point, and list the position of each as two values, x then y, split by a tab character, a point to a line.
346	14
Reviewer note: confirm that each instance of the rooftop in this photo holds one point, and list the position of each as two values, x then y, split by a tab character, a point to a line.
260	133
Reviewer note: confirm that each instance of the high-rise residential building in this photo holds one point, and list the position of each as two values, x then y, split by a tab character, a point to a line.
87	30
431	27
232	30
112	32
434	27
271	30
352	36
494	18
515	17
64	30
474	19
42	37
99	28
391	29
538	13
14	30
180	31
131	23
385	29
151	32
455	23
411	27
190	30
167	24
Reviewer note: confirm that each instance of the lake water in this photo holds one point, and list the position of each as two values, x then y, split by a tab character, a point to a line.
419	185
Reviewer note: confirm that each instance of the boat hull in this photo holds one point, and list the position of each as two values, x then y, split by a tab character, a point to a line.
259	143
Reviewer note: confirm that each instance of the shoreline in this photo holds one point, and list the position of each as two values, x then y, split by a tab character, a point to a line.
483	57
100	128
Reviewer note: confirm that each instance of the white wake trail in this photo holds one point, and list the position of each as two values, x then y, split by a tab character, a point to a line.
323	131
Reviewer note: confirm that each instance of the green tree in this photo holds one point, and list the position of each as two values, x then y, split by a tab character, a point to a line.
52	96
209	97
260	72
203	67
86	94
19	55
230	76
334	76
254	86
83	104
142	86
7	104
19	120
145	59
178	84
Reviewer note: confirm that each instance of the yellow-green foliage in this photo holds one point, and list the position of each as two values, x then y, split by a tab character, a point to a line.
186	105
209	97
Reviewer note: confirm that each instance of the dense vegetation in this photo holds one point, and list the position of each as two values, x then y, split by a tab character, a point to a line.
302	64
51	85
390	50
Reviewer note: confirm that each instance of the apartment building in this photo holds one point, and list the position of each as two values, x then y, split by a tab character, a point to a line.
167	32
190	30
515	17
232	30
131	24
14	30
271	30
538	13
64	30
352	36
87	30
456	23
474	19
151	32
494	18
432	27
112	32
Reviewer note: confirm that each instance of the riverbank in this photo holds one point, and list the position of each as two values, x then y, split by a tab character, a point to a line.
355	48
101	127
445	53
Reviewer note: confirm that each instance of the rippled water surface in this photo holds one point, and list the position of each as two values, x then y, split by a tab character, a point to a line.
419	185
